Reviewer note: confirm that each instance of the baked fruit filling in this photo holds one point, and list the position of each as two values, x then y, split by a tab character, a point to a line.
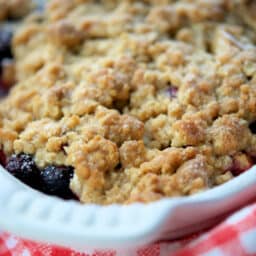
127	101
52	180
6	61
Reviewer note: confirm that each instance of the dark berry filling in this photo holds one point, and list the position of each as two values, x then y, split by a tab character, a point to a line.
55	180
5	44
52	180
4	88
241	163
252	127
2	158
172	91
23	167
5	58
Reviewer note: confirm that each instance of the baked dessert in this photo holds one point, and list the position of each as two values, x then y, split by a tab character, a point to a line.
127	101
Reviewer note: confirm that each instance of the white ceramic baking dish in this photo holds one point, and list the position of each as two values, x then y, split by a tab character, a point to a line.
30	214
33	215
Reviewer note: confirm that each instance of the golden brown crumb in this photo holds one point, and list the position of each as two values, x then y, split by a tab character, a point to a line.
64	33
15	8
132	153
3	10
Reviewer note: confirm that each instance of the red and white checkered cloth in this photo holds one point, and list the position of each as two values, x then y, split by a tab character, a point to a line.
236	236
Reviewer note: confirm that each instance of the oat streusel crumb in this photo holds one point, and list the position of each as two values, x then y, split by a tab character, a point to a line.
15	9
145	99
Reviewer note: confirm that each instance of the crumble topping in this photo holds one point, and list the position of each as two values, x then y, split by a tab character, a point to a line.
144	99
15	9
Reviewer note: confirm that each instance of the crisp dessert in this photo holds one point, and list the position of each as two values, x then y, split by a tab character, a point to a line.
126	101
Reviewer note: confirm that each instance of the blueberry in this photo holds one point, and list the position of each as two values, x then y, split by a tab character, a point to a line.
172	92
4	88
23	167
55	181
2	158
5	44
52	180
252	127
